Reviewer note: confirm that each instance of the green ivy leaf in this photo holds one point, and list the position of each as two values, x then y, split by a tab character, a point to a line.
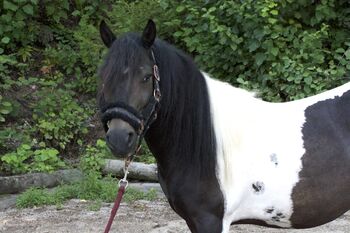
28	9
5	40
25	147
274	51
4	111
10	6
180	8
274	12
347	54
260	58
7	104
253	46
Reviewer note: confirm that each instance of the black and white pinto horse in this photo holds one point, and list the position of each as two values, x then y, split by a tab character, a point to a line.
225	157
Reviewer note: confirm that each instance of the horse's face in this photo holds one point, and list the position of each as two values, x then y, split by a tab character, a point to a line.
126	79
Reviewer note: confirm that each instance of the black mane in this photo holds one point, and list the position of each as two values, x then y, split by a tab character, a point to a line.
183	135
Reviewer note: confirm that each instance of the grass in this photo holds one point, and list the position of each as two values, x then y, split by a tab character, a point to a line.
91	188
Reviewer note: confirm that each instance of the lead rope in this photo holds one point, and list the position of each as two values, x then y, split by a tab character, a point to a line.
123	184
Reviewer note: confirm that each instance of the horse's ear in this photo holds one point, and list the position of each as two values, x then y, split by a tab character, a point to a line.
106	34
149	34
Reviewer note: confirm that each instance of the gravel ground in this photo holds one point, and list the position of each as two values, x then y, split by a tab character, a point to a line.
141	216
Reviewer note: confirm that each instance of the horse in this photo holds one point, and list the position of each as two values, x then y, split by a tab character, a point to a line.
225	156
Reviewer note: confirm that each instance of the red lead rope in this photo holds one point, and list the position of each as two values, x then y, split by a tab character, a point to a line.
123	183
116	205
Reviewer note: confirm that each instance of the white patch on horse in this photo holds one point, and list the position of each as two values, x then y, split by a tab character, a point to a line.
274	159
250	134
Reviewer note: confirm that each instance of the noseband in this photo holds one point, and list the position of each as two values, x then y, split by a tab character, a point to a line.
140	121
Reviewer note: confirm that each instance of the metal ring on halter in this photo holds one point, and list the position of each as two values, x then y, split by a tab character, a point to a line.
125	181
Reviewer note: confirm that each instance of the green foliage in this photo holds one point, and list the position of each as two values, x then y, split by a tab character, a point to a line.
93	158
50	53
24	159
5	108
90	55
91	188
34	197
286	50
132	195
128	16
25	22
60	119
16	161
46	160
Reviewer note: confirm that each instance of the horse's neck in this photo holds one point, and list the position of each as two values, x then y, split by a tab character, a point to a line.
182	138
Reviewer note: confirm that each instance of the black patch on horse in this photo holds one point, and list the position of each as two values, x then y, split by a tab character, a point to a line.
269	210
258	187
325	176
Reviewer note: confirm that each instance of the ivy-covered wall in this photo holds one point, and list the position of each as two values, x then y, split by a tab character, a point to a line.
50	52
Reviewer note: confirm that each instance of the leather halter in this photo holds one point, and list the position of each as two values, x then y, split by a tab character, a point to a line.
140	121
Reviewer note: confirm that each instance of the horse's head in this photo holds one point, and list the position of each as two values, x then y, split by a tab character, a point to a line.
129	89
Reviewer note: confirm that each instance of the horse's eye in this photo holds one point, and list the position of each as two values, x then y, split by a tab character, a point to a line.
147	77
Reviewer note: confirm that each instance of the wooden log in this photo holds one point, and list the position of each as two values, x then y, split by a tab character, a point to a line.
137	171
19	183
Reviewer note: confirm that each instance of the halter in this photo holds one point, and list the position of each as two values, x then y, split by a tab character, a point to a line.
140	121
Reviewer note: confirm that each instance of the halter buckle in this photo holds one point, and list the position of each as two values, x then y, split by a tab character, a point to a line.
156	94
156	73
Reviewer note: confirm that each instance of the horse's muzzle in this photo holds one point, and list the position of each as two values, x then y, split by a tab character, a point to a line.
122	142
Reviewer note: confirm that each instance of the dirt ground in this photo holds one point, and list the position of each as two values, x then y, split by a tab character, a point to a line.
141	216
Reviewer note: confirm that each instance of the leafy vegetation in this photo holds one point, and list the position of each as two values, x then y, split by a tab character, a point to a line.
25	159
50	53
5	109
285	50
93	159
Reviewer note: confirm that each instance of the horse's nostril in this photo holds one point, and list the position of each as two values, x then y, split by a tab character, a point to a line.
107	137
130	139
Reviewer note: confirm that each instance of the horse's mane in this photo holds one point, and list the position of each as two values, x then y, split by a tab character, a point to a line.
184	129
